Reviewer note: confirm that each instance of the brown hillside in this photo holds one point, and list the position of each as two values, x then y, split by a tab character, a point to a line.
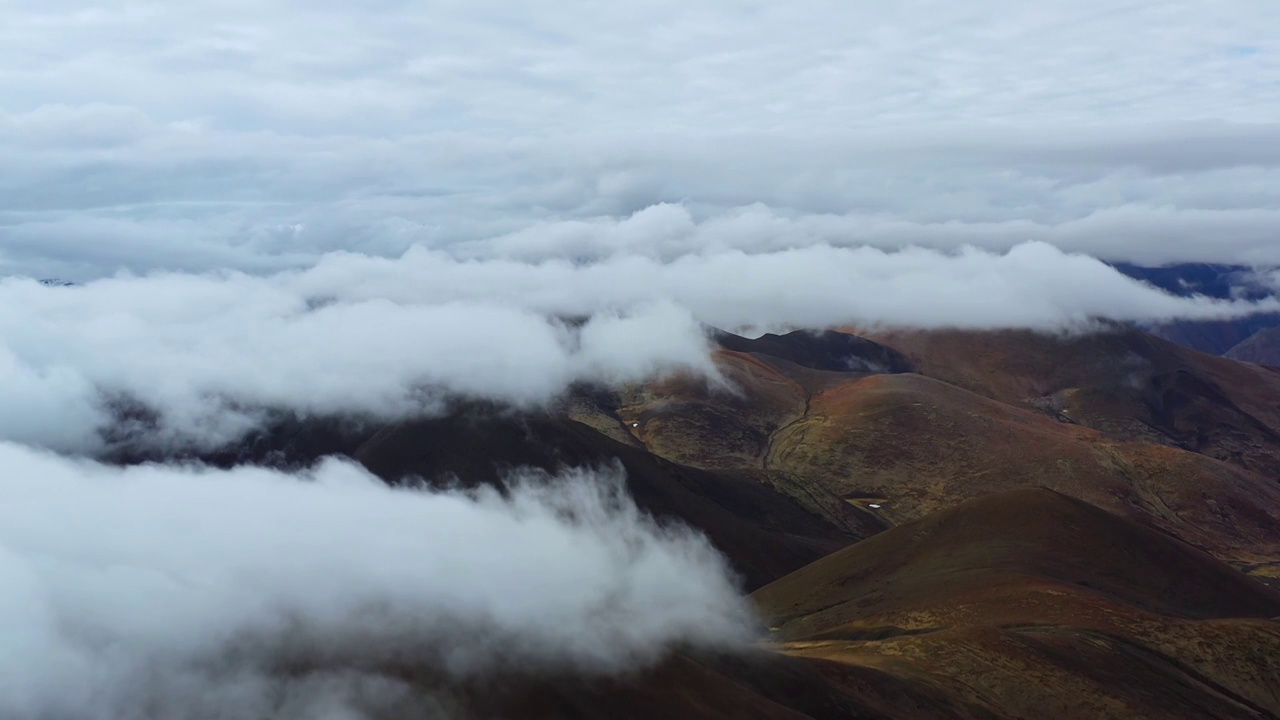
868	451
913	445
1123	382
985	560
1032	604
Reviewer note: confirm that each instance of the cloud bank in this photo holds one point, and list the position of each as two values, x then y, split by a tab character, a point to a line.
168	592
199	359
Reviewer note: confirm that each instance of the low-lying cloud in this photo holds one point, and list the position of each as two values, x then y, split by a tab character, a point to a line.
203	357
171	592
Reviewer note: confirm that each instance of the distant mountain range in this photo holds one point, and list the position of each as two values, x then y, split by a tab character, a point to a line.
1187	279
1216	337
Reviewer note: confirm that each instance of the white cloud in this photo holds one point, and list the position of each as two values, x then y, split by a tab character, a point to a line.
162	592
391	338
209	353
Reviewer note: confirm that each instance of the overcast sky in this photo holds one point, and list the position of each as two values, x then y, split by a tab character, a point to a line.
259	135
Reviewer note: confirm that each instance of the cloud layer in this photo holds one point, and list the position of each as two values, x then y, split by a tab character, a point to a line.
164	592
259	136
199	359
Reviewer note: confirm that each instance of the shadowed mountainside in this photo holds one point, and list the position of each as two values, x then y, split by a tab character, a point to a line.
764	533
1216	337
827	350
1263	348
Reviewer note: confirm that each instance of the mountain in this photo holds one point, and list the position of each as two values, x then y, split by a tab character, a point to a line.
934	523
987	560
1263	348
1018	604
1215	337
763	533
1119	381
1187	279
1031	604
783	460
1176	439
825	350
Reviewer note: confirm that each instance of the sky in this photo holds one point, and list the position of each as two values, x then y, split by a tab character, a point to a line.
260	135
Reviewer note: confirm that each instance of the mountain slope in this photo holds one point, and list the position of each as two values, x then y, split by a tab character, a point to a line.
993	554
814	458
763	532
1030	603
911	445
1215	337
1015	605
867	451
888	504
1262	348
1120	381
